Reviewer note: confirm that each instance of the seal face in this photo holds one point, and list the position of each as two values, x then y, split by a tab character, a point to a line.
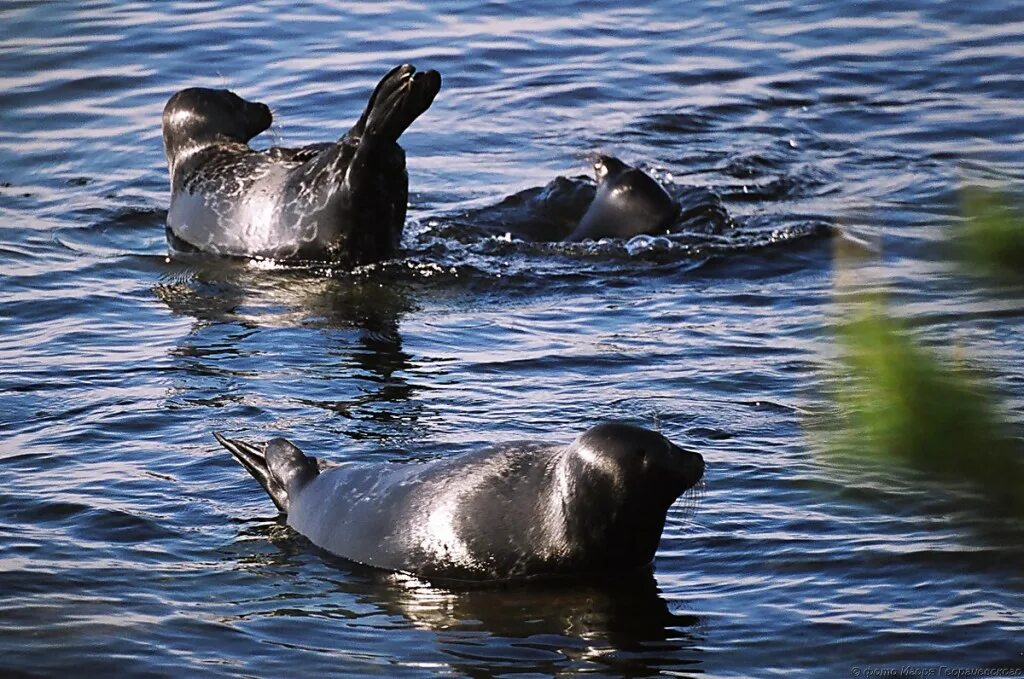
517	511
628	202
341	201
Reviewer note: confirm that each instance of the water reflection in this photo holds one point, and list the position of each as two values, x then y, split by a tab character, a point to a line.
226	291
249	323
623	626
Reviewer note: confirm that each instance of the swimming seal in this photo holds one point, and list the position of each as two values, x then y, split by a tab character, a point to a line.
342	201
517	511
627	203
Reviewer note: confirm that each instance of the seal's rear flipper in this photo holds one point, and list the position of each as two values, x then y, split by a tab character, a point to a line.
389	80
399	98
280	467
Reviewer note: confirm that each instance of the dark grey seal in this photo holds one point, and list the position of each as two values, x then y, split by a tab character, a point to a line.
343	201
628	202
517	511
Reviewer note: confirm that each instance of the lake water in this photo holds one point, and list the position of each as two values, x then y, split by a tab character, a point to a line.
131	544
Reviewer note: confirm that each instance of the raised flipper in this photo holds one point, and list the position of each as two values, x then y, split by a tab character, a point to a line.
375	177
389	80
399	98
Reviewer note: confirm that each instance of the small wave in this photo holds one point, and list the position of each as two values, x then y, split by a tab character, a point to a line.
519	239
112	232
520	226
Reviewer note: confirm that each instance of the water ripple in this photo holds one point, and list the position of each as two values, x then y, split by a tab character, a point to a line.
132	544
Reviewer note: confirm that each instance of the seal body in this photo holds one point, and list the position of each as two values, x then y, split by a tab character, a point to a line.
628	202
339	201
523	510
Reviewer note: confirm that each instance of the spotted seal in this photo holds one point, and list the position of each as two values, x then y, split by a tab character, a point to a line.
342	201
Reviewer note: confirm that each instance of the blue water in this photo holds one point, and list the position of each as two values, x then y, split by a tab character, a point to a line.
132	545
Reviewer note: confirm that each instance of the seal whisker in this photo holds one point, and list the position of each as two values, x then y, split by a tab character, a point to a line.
691	500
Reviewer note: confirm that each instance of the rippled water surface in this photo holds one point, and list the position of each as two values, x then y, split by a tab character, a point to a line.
131	544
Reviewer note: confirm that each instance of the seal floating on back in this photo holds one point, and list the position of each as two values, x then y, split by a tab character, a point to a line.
517	511
342	201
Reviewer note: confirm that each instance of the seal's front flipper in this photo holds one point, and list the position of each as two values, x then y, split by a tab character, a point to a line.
399	98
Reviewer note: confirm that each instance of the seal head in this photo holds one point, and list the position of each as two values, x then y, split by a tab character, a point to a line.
628	202
197	117
280	467
624	479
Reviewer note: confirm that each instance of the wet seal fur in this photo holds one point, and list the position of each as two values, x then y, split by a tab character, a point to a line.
518	511
628	202
624	202
343	201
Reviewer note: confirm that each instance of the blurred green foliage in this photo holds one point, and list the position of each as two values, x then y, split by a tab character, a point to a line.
992	242
901	403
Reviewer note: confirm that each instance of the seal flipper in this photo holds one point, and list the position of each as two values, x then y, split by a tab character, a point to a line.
281	468
388	81
377	184
402	96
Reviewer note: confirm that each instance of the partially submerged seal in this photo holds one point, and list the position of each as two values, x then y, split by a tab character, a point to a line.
623	203
340	201
516	511
628	202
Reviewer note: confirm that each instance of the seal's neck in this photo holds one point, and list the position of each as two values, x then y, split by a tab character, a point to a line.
186	159
615	520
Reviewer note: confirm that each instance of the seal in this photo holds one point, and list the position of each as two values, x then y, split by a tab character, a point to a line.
628	202
624	202
518	511
343	201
